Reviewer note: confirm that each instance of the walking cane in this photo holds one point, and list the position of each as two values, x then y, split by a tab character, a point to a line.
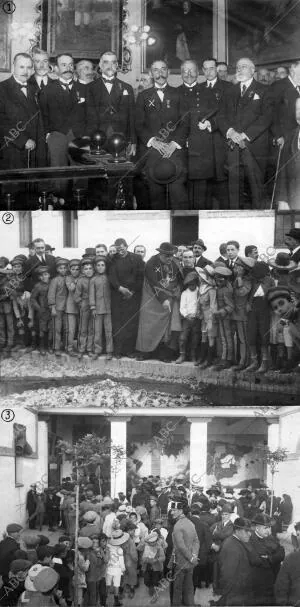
276	176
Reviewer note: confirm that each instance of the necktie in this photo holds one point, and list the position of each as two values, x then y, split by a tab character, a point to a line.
160	93
243	91
209	85
231	264
67	86
42	85
23	88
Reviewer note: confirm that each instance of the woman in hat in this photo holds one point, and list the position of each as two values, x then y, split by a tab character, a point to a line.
242	286
160	323
131	560
153	558
116	563
207	306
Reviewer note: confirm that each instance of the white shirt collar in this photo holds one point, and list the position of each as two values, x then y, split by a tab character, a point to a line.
211	83
19	82
247	83
292	81
190	86
41	79
81	81
66	82
160	88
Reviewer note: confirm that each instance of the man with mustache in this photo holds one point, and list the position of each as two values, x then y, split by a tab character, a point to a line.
63	109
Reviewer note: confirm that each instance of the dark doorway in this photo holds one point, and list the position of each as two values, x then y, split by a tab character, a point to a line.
184	228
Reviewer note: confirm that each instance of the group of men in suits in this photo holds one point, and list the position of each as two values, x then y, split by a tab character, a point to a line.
191	143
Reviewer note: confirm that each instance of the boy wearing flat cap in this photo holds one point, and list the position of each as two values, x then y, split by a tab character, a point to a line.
57	298
81	298
41	310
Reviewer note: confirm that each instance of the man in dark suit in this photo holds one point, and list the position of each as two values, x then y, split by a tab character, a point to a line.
40	258
223	257
41	65
161	133
198	250
8	547
288	186
63	110
21	132
110	103
285	93
244	120
292	240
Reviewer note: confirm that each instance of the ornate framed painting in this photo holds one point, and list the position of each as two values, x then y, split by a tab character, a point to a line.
265	30
84	28
5	44
181	29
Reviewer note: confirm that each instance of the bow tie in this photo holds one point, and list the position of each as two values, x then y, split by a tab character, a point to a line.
22	86
160	88
108	80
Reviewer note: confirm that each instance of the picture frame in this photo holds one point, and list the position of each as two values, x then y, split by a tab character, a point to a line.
267	31
83	28
5	42
183	29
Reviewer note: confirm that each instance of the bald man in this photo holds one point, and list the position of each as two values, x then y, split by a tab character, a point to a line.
245	121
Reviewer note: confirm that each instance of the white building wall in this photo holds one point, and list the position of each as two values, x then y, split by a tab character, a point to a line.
31	469
287	480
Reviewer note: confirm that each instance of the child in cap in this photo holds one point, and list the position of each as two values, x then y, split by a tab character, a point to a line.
47	592
153	558
21	301
191	323
207	307
57	298
102	556
242	286
116	565
259	317
41	310
223	313
7	330
100	305
288	315
81	297
72	310
84	545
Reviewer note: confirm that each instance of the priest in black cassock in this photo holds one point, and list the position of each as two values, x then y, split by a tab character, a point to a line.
126	276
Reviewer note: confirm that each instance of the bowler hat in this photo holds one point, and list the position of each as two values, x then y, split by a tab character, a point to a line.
294	233
20	565
46	579
191	277
13	528
282	262
242	523
91	251
200	243
262	519
164	171
167	248
276	292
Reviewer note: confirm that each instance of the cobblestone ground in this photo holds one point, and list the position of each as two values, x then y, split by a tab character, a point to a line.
142	598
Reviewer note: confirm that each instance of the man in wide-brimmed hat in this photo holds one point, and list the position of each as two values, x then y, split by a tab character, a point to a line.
198	250
160	321
235	568
268	555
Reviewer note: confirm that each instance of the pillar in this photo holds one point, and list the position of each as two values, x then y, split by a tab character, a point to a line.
198	450
118	436
273	443
41	471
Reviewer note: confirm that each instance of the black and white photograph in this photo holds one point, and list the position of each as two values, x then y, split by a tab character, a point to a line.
149	303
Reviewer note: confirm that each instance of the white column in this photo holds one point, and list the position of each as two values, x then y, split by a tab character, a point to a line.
219	30
198	450
118	436
41	472
273	441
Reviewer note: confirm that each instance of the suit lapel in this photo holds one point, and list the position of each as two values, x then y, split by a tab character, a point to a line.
18	93
249	94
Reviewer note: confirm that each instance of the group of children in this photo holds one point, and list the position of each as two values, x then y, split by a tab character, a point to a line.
246	317
239	313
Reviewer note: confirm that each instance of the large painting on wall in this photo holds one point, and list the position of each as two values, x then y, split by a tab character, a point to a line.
265	30
182	29
84	28
5	45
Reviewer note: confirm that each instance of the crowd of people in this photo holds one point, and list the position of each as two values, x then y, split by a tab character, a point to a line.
237	312
163	534
195	145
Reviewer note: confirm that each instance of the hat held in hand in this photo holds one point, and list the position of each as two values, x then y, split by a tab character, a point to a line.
164	171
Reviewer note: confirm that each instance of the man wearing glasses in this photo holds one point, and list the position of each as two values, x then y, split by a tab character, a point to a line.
185	549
